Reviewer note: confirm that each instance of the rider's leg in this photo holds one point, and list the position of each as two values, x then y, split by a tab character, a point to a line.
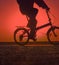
32	22
32	25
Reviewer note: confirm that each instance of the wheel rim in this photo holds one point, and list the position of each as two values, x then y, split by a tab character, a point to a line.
21	38
51	37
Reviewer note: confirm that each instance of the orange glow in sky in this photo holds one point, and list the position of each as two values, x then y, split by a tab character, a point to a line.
10	17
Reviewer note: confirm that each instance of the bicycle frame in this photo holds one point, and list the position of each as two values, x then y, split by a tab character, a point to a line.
48	24
45	25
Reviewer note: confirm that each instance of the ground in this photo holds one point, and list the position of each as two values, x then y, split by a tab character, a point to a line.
41	54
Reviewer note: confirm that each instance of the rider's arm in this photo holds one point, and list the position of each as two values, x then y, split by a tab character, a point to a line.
42	4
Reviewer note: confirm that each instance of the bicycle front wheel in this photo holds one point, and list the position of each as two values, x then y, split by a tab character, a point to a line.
21	36
53	35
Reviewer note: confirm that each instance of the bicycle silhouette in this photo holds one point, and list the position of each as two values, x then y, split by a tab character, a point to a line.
22	34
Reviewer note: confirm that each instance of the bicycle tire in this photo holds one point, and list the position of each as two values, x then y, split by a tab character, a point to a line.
49	33
15	33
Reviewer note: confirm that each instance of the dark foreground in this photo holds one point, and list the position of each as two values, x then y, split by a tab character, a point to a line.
42	54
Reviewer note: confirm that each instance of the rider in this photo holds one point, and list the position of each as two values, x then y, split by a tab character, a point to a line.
26	8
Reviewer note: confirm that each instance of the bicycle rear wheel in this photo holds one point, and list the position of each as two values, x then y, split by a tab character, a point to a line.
53	35
21	36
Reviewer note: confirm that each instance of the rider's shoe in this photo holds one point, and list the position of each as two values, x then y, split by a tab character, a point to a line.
33	37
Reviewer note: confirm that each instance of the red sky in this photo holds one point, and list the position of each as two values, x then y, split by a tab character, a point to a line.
10	17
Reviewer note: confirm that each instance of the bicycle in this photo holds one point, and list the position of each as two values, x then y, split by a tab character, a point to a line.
22	34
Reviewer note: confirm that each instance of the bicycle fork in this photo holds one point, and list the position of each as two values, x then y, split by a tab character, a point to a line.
52	27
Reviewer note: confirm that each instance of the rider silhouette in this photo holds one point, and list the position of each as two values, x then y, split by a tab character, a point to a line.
26	8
